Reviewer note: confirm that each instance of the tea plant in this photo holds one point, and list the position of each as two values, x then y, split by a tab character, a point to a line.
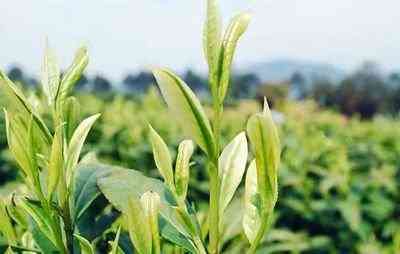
57	212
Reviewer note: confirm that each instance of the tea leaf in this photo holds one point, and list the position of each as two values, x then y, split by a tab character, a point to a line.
71	116
212	39
73	73
251	217
86	246
76	144
50	76
56	162
139	228
151	204
5	224
232	164
18	103
185	151
162	157
187	109
114	246
236	28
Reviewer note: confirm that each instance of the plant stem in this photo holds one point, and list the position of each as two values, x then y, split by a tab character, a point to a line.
199	245
214	210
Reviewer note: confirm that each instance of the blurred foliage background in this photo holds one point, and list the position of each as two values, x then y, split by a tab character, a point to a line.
339	179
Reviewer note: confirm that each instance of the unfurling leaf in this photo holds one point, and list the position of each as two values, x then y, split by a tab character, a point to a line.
5	224
234	31
50	77
185	151
86	246
264	140
162	157
151	204
187	109
73	73
76	144
56	162
139	228
212	40
251	216
232	164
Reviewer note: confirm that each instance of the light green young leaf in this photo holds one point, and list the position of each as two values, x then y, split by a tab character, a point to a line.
236	28
50	76
139	228
18	103
5	224
18	143
71	115
187	109
212	39
162	157
251	217
86	246
231	166
73	73
76	144
265	142
56	162
151	204
185	151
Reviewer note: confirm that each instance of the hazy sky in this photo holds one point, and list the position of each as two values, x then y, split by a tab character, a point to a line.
124	35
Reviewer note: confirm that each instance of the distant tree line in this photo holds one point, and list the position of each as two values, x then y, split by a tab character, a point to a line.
364	92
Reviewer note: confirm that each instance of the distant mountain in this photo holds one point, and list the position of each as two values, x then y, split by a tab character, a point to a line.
283	69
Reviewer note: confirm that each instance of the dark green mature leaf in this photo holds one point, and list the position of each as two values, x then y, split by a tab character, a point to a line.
86	189
43	242
187	109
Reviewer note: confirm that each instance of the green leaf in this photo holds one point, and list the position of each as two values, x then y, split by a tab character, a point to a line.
86	246
212	40
114	246
119	185
50	76
5	224
56	162
76	144
187	109
251	217
139	228
71	116
17	103
236	28
86	189
264	140
162	157
151	204
73	73
185	151
231	166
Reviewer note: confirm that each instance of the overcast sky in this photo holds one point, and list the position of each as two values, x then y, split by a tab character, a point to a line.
125	35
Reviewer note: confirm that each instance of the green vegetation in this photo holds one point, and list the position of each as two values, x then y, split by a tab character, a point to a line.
201	192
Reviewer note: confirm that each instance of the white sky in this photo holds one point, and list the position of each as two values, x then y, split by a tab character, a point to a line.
125	35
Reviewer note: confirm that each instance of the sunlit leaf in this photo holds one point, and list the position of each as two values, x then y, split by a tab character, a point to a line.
232	164
73	73
50	76
236	28
151	204
187	109
185	151
139	228
162	157
251	217
5	224
56	162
